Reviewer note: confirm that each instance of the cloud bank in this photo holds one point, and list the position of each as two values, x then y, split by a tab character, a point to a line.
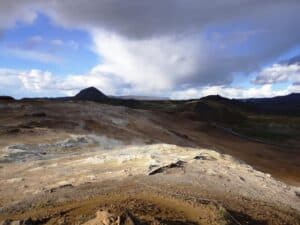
279	73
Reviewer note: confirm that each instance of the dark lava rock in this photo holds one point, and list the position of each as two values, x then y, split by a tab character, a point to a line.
36	114
204	157
297	192
178	164
60	187
19	222
127	218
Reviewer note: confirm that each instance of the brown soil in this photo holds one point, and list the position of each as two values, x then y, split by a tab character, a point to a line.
170	206
164	203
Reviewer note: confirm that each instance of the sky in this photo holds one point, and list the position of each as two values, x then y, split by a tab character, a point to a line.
171	48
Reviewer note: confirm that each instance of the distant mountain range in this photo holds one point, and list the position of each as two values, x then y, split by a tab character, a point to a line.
6	98
142	98
285	105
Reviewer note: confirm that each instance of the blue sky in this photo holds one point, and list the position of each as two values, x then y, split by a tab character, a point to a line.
70	48
173	49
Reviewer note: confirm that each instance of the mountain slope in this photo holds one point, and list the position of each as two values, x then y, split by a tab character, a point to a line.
285	105
90	94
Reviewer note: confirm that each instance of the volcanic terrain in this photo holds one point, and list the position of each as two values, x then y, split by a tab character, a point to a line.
94	159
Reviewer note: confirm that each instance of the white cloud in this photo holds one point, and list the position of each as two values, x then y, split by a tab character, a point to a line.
43	83
57	42
295	88
27	83
153	65
34	55
8	78
232	92
278	73
35	79
105	82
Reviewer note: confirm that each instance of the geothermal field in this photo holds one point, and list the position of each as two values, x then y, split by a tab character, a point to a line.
80	162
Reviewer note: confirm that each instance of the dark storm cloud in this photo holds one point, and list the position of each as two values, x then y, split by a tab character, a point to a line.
143	18
273	24
13	11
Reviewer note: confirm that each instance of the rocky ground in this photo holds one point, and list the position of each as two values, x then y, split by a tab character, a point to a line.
86	163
